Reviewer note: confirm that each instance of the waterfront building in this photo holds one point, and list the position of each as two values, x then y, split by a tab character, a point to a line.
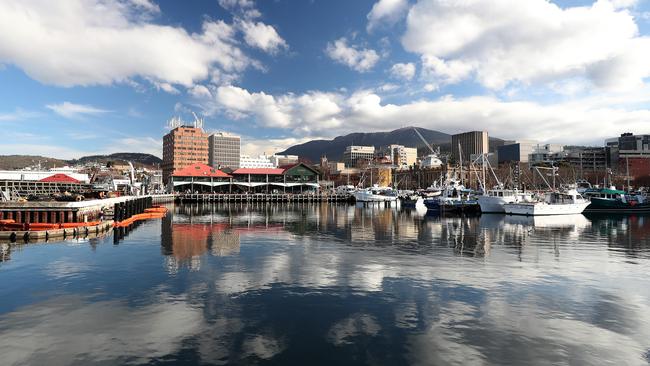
201	178
261	161
183	146
630	153
469	143
431	161
354	155
335	167
281	160
516	151
224	150
545	153
586	159
400	155
40	175
293	178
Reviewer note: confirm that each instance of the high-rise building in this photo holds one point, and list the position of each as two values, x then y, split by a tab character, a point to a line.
224	150
356	154
262	161
545	153
400	155
586	159
183	146
516	151
469	143
630	153
282	160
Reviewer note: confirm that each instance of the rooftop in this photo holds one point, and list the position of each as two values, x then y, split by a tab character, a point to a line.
200	170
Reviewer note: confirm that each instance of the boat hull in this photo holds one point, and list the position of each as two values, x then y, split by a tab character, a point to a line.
412	203
365	197
452	206
544	209
491	204
615	206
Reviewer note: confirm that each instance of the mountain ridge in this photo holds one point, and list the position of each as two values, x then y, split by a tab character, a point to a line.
333	149
13	162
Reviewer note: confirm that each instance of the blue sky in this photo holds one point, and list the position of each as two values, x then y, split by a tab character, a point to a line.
81	77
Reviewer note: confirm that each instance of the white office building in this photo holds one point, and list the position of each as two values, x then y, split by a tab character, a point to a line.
355	154
261	161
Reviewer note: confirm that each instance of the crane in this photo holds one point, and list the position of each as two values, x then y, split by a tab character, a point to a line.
423	140
198	122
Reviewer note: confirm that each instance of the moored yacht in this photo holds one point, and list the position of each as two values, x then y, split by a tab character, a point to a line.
493	200
554	203
611	200
375	194
454	198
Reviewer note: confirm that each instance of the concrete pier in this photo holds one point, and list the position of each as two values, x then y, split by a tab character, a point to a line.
54	212
46	235
262	197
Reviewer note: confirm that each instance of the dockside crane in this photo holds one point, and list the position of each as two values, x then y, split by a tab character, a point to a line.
425	141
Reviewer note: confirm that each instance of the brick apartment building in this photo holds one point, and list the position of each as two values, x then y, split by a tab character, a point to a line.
183	146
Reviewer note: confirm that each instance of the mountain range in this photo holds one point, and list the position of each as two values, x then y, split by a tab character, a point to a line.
11	162
333	149
309	151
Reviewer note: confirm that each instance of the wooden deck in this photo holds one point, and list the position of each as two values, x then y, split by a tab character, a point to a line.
208	197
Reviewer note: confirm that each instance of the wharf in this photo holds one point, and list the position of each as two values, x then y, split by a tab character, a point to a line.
263	197
54	212
45	235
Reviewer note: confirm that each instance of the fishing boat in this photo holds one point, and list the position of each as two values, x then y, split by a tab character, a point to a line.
455	198
611	200
492	201
569	202
412	200
375	194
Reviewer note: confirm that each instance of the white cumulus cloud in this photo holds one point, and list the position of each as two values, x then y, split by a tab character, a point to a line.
498	42
73	110
388	11
404	71
262	36
359	59
318	113
100	42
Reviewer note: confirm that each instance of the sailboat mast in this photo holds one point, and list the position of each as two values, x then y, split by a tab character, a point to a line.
627	171
460	156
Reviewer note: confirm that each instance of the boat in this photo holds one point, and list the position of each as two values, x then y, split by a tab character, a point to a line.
375	194
412	201
583	186
455	198
569	202
492	201
611	200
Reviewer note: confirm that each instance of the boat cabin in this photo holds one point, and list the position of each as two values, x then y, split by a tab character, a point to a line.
501	193
568	197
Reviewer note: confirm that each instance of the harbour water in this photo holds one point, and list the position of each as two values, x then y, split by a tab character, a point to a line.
327	284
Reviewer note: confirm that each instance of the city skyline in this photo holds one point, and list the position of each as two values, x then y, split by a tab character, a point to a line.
88	77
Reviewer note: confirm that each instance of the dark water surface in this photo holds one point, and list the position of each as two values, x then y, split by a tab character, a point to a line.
333	285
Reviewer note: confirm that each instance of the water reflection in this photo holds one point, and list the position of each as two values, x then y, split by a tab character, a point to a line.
328	284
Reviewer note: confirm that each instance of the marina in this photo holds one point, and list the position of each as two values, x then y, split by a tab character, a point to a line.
240	283
325	182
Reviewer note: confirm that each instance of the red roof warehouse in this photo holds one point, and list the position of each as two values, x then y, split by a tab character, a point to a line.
200	170
59	178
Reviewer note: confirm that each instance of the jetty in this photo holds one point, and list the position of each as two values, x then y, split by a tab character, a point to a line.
263	197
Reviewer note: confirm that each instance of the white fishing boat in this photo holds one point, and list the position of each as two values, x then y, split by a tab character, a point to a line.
375	194
554	203
493	200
